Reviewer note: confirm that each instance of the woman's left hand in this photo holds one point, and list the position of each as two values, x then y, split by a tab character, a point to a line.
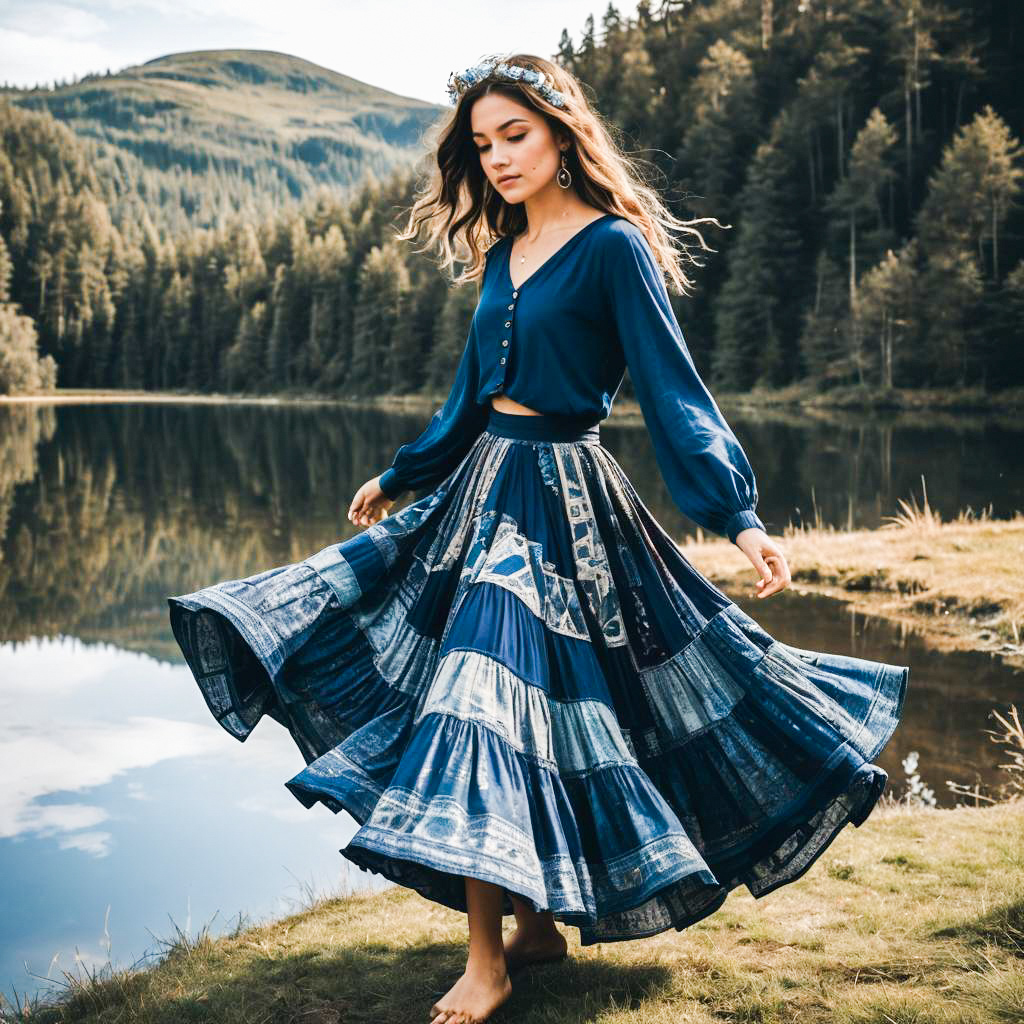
370	504
767	558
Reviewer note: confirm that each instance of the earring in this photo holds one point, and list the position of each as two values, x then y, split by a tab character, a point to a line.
564	178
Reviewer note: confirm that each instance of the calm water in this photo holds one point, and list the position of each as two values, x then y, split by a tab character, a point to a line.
127	812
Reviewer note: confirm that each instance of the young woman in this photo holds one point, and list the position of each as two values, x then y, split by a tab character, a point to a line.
527	697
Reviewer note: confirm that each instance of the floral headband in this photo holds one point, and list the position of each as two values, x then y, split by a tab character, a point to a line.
495	67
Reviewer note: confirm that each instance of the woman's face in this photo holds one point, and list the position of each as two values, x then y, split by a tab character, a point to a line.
516	144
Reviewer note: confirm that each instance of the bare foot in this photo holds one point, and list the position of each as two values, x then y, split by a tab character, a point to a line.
474	997
522	948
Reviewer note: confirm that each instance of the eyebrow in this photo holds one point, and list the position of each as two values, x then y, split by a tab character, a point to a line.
502	127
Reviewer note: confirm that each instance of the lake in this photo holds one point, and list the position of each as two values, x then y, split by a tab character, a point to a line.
128	812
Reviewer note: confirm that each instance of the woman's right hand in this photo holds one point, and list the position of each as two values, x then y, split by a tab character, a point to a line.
370	504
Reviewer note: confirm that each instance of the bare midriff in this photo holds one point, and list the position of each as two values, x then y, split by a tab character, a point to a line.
505	404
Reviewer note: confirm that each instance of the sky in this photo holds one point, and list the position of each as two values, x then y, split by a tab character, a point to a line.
406	46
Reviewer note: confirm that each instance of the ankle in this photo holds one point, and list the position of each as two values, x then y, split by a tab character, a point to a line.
491	963
537	928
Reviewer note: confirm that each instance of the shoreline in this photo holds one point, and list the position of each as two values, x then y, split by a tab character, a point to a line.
952	583
955	584
795	397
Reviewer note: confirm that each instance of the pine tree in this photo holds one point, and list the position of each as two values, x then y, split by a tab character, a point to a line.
887	308
383	280
757	310
858	196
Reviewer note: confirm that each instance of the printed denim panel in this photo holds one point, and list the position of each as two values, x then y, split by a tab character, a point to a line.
650	748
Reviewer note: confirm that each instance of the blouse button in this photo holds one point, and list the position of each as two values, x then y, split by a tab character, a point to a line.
502	360
508	323
504	344
515	295
512	306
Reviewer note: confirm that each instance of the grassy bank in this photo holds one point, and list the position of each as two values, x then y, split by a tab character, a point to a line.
958	583
917	916
808	395
805	396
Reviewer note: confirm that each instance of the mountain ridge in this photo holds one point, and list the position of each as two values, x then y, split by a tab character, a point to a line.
217	131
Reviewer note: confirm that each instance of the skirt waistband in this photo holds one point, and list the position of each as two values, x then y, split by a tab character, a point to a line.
545	427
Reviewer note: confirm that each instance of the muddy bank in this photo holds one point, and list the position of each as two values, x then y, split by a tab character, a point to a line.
958	584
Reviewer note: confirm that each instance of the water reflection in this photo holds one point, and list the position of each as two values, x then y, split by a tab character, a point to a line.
122	792
948	700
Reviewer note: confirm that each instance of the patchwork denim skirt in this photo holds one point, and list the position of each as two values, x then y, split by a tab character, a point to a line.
519	677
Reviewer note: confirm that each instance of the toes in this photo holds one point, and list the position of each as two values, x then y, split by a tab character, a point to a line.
445	1016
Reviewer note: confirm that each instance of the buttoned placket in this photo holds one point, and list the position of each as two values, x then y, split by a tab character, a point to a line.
505	341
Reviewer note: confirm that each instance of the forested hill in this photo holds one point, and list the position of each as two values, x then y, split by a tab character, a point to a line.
866	154
211	132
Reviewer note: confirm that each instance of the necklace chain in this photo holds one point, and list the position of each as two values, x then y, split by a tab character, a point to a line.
522	258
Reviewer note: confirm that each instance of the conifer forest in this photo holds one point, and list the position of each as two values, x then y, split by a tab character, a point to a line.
863	156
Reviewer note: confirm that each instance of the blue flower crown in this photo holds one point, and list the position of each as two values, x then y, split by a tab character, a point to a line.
495	67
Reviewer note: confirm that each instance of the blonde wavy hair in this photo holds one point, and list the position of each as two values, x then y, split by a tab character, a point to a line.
465	215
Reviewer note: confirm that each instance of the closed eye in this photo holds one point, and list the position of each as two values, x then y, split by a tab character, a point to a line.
511	138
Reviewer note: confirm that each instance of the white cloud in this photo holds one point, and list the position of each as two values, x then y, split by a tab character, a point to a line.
73	756
136	791
352	38
98	844
29	60
42	19
280	810
51	668
64	731
50	818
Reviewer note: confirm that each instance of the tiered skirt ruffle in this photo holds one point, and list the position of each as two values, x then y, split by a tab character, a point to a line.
519	677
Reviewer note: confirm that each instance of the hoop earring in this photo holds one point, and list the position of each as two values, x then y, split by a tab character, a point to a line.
563	177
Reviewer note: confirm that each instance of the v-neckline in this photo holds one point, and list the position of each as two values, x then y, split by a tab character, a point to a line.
572	238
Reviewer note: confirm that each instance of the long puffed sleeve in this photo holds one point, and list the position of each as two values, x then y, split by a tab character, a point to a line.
704	467
449	435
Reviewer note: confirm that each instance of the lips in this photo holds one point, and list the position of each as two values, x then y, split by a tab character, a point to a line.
508	178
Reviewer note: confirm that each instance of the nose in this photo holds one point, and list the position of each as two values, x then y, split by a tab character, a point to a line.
498	161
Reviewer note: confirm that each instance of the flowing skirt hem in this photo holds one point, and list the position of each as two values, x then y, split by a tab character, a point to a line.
435	870
628	794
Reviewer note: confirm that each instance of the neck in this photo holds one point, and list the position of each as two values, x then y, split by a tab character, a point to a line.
553	211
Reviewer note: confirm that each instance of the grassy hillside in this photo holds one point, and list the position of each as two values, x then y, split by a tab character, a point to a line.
215	130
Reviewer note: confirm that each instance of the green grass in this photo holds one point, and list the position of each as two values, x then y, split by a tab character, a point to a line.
916	917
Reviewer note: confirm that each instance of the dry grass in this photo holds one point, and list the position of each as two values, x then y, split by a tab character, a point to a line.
917	916
958	583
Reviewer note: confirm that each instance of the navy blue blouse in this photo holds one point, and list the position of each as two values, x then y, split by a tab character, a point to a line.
561	342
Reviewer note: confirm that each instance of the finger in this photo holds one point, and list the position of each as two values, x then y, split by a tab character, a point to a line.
781	571
769	583
779	581
763	568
